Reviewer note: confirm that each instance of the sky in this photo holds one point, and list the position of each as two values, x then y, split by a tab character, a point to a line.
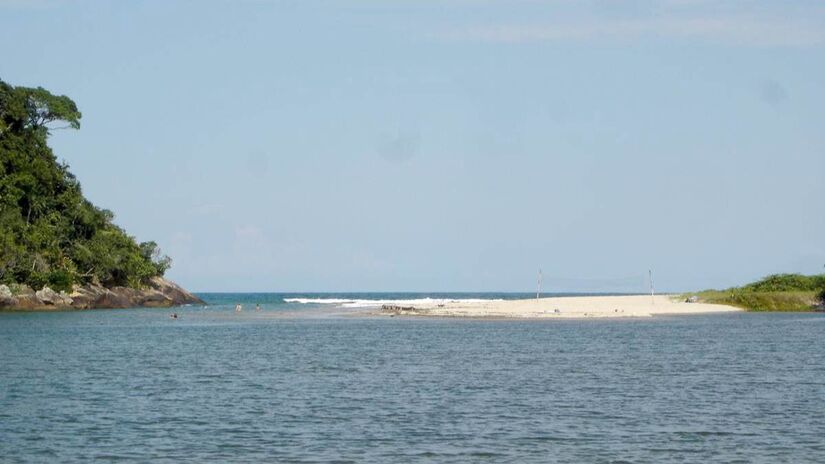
454	145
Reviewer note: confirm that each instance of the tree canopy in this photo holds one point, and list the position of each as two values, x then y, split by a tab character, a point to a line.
49	233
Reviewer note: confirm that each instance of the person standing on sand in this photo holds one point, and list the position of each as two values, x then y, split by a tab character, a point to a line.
238	308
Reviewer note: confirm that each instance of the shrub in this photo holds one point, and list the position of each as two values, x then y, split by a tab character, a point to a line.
787	283
60	280
37	280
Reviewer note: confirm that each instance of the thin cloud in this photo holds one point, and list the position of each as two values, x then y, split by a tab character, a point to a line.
728	30
28	4
248	232
206	209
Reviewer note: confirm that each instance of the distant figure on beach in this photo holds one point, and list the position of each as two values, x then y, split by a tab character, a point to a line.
238	308
257	307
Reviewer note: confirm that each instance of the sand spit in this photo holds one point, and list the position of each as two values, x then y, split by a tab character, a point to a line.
563	307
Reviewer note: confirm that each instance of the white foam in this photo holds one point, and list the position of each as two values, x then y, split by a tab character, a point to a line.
316	300
358	303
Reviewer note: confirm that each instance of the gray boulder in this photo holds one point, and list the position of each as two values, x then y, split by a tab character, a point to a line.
49	297
7	299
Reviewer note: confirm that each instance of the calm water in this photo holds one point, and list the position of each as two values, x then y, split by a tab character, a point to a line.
312	383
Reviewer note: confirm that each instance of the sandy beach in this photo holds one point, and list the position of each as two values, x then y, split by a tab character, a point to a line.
562	307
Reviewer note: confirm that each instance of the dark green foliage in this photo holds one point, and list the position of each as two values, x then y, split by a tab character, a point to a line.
30	108
49	233
60	279
787	283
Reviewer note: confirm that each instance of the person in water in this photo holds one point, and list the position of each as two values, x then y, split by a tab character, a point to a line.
238	308
174	315
257	307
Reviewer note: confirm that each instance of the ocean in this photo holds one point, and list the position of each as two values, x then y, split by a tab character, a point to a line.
307	379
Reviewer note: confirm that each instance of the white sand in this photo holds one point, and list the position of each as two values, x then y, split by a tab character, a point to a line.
569	307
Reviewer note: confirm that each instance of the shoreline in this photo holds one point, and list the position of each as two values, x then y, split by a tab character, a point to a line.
158	293
572	307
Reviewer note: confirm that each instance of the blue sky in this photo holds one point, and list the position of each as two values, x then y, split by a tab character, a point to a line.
454	145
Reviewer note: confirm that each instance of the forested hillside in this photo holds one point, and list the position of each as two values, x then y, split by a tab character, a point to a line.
50	235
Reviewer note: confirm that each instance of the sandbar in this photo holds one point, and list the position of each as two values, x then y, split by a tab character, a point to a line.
562	307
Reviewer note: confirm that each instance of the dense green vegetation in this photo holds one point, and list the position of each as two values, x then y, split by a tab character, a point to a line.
778	292
49	233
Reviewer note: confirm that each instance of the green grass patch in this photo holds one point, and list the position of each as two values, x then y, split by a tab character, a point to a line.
761	301
778	292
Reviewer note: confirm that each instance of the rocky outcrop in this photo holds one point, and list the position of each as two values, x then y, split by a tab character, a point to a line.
157	293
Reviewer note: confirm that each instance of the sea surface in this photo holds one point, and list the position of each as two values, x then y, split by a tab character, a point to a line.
314	380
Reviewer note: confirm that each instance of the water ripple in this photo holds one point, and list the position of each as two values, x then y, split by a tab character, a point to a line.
133	386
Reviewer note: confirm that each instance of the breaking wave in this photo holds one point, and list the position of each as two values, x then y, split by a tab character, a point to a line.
367	303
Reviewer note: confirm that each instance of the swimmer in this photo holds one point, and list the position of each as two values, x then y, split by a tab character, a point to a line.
257	307
174	315
238	308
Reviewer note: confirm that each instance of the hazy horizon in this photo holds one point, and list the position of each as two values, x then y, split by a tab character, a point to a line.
359	146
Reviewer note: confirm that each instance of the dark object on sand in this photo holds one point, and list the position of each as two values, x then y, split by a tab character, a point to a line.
396	308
